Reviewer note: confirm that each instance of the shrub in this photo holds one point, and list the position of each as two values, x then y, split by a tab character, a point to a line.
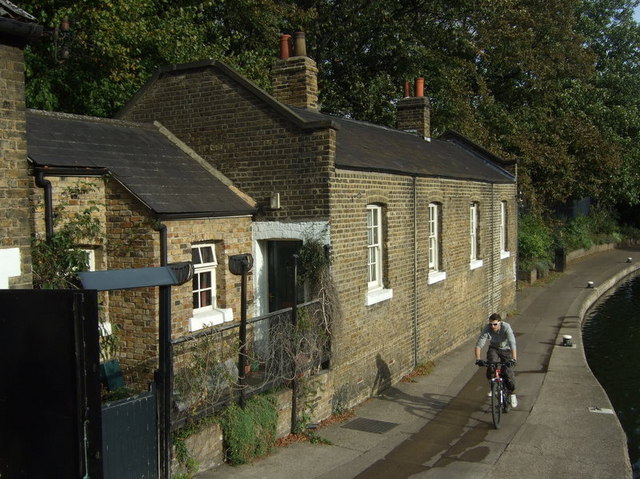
250	432
576	234
534	241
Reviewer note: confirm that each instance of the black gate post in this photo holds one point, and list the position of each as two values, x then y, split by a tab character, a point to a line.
241	264
165	365
294	324
243	337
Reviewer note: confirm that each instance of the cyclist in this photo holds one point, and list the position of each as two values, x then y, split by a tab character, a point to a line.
502	347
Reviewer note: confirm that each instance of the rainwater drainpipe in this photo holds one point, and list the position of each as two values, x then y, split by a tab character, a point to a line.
48	202
165	360
415	272
493	252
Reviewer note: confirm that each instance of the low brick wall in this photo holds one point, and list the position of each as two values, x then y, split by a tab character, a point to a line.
580	253
531	276
206	446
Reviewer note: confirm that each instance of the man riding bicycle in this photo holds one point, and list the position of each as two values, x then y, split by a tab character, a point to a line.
502	347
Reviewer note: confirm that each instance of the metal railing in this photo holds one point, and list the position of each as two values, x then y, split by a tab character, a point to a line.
277	352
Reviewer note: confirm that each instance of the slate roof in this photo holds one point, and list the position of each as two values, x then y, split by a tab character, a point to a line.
158	172
368	147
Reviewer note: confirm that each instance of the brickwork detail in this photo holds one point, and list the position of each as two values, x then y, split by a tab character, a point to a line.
295	82
15	210
379	339
414	114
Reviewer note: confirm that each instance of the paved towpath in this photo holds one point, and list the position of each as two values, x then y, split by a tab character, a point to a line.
440	426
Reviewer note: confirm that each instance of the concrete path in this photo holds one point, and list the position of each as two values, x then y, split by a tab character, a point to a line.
440	426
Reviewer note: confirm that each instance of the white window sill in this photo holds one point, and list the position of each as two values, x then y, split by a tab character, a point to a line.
436	276
209	318
378	295
475	264
504	254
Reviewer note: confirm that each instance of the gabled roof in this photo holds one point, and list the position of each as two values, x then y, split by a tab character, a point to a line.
368	147
282	109
169	179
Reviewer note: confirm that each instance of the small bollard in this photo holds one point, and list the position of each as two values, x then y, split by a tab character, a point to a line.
566	340
589	284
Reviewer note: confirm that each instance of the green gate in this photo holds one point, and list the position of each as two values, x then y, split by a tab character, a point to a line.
130	439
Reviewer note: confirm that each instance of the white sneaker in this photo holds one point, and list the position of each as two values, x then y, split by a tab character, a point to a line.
513	400
489	394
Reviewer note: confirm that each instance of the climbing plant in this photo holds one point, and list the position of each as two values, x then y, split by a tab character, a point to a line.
58	259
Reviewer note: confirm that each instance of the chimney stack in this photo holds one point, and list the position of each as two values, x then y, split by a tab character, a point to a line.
414	111
295	78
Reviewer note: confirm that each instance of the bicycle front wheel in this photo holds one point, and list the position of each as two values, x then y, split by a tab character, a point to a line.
496	403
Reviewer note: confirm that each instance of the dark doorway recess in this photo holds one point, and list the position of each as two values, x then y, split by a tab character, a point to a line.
280	263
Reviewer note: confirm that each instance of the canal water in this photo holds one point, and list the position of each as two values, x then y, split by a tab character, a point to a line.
611	337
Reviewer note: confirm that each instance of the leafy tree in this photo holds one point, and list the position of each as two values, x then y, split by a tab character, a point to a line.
116	45
613	37
553	84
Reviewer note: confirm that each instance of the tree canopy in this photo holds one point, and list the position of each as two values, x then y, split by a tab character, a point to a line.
553	84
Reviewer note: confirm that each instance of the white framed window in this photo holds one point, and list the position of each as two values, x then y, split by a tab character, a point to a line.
474	240
504	244
376	290
434	237
374	244
205	311
435	260
204	276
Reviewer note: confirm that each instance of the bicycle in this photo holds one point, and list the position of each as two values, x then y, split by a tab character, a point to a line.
499	392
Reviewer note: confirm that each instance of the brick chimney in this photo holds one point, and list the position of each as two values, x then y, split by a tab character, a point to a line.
17	28
295	77
414	111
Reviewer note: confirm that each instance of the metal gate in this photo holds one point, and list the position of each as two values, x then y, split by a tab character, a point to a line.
129	438
50	387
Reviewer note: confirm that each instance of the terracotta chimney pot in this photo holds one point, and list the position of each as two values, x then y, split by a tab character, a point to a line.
407	89
285	40
419	87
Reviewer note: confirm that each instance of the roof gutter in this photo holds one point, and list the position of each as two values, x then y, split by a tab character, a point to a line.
19	33
205	214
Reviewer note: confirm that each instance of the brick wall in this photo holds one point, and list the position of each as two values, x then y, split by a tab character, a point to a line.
376	343
244	138
15	211
134	243
231	236
414	114
129	240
